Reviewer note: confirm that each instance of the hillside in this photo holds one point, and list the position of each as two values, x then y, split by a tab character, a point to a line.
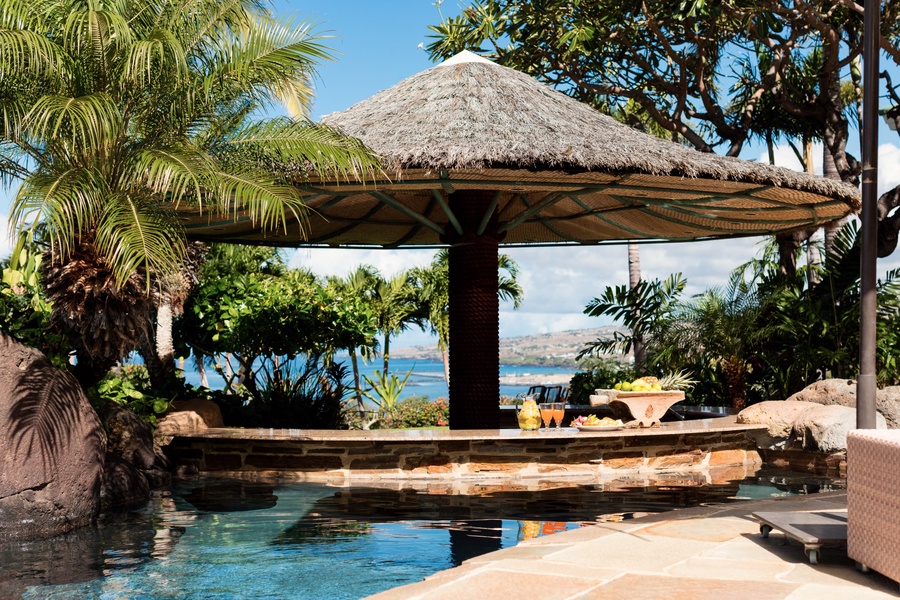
542	349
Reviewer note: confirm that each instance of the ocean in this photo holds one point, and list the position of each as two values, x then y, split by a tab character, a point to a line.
427	377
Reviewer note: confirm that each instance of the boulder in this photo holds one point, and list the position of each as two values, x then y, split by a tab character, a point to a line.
887	402
842	392
823	428
778	416
128	436
124	486
53	447
828	391
188	415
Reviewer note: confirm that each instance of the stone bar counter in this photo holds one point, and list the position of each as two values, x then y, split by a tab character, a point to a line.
719	446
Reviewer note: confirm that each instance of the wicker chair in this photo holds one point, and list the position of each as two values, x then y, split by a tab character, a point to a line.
873	500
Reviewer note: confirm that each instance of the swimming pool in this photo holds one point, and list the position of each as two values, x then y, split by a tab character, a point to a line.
223	539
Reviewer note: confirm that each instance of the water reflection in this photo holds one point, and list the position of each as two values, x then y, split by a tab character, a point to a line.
232	496
118	542
199	535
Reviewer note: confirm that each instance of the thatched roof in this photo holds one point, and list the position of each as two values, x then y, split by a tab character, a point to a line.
564	173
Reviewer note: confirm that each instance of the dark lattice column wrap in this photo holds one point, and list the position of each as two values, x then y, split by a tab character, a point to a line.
474	317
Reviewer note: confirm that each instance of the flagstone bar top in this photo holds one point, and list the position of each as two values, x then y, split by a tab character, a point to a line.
723	424
322	455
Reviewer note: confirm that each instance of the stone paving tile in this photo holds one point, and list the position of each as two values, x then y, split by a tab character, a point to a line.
628	550
705	530
720	568
843	575
655	587
754	547
589	532
498	584
825	592
532	551
550	567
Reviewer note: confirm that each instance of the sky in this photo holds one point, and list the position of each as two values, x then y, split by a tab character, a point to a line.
377	44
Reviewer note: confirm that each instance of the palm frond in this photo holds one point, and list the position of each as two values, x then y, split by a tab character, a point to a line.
29	52
268	204
172	173
86	122
159	52
296	144
65	204
134	235
271	60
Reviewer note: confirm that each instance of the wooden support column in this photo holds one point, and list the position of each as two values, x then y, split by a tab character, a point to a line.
474	315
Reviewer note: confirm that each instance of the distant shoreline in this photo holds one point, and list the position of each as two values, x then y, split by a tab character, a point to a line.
536	379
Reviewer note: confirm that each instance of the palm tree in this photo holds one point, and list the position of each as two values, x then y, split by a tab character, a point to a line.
433	296
117	115
394	307
361	283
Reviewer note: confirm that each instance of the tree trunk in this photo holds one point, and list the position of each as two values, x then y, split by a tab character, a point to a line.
634	278
387	353
446	358
829	170
165	348
813	257
201	369
360	405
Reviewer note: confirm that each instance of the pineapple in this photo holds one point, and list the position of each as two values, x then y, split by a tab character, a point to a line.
676	381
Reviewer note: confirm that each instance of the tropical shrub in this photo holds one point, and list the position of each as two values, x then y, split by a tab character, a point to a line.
129	385
597	373
297	395
419	411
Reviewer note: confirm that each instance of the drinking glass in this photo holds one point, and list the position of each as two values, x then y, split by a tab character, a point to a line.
559	411
546	414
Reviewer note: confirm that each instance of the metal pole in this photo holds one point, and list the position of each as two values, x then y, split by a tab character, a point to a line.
866	386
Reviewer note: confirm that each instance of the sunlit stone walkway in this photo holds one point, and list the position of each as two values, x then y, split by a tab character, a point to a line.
711	552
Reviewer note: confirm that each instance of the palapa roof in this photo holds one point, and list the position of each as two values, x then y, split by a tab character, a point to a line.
561	173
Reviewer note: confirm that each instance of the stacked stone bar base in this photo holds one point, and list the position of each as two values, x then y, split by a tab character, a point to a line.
717	446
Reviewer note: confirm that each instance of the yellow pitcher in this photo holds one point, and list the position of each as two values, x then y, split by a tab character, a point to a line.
529	415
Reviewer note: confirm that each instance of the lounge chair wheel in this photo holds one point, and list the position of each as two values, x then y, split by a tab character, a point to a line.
764	530
813	555
862	568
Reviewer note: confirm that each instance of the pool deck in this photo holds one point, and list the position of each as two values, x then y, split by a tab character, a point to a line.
706	552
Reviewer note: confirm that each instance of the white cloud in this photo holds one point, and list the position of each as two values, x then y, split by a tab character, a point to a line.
341	261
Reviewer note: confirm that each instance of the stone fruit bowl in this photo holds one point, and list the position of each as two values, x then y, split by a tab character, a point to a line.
646	407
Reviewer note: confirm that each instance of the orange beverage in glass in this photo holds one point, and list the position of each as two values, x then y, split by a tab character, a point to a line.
546	414
559	411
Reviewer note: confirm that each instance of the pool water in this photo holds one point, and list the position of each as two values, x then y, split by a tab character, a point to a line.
215	538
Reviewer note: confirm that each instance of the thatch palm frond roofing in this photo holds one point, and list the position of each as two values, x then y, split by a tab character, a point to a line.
561	172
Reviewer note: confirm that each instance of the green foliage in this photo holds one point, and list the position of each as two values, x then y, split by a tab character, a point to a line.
24	310
597	373
418	411
297	395
130	386
641	309
263	319
764	335
385	391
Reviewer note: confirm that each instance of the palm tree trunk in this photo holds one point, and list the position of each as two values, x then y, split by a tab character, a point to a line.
634	278
165	348
813	258
359	398
201	369
387	352
446	358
